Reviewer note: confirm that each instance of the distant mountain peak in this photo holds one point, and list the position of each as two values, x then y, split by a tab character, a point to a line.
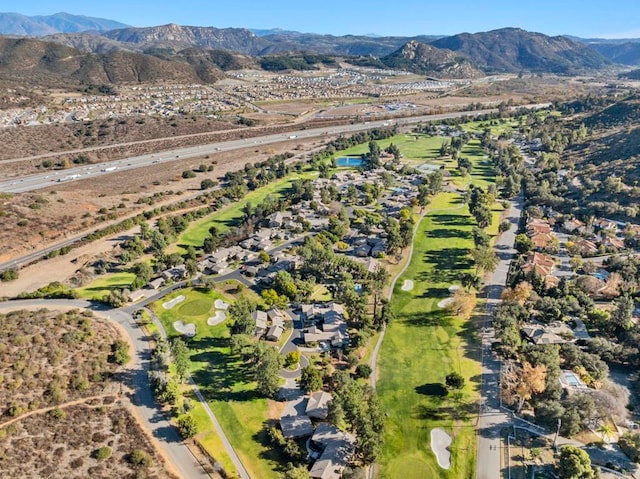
61	22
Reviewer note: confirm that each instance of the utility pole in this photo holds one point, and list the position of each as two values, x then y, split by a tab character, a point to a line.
555	440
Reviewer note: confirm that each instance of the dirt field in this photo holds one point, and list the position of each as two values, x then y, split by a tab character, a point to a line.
49	358
66	444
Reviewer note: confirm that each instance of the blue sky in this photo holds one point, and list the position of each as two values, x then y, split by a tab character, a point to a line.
585	18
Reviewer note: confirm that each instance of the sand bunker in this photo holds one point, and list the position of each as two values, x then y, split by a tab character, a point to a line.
453	288
219	317
440	441
173	302
188	329
407	285
219	304
446	302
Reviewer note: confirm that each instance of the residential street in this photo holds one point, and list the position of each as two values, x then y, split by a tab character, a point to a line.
492	420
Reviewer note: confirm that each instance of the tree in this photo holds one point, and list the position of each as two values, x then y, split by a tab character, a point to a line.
181	357
9	275
485	260
207	183
264	257
463	304
241	311
454	381
296	472
521	383
311	379
266	368
519	294
621	316
523	243
575	464
187	426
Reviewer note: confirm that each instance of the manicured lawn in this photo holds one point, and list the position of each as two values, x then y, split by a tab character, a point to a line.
221	377
425	148
230	215
422	346
320	293
101	286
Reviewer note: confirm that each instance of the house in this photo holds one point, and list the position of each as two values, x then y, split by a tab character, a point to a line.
318	405
337	448
176	273
542	241
137	295
370	263
278	317
260	317
555	332
615	243
538	263
275	333
155	283
586	247
279	219
605	224
572	225
294	421
538	226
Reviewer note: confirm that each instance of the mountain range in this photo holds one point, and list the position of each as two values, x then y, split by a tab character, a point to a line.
85	49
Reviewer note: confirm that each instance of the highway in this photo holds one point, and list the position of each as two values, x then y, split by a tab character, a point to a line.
52	178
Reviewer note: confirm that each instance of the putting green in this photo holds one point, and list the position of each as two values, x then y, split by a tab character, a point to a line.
197	307
409	468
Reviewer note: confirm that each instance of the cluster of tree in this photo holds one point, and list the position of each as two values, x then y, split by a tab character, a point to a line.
356	408
480	202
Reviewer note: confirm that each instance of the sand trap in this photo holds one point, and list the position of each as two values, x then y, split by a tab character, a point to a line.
446	302
219	317
173	302
453	288
407	285
188	329
440	441
219	304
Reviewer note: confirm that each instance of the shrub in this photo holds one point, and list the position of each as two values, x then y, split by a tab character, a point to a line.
292	359
188	174
102	453
187	426
140	458
363	371
9	275
120	352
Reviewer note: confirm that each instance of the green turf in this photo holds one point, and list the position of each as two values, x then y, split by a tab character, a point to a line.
422	346
232	214
222	378
101	286
196	307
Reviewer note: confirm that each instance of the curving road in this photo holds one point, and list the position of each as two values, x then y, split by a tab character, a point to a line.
170	441
50	178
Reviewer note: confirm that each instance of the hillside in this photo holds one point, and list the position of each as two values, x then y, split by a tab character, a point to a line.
178	37
627	53
513	50
429	60
33	62
17	24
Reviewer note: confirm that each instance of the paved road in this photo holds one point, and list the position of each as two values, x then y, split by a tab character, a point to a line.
49	178
492	420
170	441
